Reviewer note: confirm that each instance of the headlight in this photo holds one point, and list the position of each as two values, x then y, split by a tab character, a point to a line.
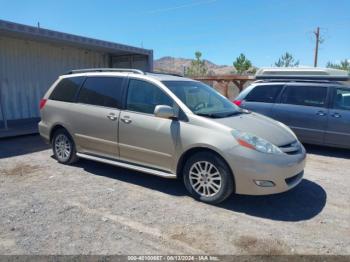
255	142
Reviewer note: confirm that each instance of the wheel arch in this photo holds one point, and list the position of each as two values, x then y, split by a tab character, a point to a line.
191	151
57	127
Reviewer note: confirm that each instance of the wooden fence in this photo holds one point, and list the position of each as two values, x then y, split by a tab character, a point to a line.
222	83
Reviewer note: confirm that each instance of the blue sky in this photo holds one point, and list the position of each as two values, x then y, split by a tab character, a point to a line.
220	29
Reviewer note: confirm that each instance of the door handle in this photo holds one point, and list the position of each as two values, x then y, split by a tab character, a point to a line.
321	113
336	115
126	120
112	117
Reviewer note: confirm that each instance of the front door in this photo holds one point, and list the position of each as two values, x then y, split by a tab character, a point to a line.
338	126
304	109
143	138
95	116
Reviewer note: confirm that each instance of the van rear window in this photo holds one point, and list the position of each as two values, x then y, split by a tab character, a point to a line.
67	89
264	93
102	91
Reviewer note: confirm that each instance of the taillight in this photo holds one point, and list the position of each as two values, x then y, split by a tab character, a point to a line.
42	103
237	102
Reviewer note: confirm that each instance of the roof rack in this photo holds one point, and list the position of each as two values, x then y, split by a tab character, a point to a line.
122	70
296	80
303	73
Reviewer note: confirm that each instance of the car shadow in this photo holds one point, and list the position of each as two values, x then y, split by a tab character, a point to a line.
327	151
21	145
168	186
301	203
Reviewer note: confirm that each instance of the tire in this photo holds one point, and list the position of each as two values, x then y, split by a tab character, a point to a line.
217	180
63	147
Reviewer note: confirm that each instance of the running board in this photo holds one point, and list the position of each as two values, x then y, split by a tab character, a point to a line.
128	165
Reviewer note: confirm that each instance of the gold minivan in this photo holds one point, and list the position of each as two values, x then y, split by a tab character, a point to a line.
172	127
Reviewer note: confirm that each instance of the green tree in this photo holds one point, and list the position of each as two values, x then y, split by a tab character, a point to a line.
197	67
242	64
287	60
344	65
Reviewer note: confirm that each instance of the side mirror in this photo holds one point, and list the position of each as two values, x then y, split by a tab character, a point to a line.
164	111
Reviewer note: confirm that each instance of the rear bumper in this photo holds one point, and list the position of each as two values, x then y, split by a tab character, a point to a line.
44	131
249	166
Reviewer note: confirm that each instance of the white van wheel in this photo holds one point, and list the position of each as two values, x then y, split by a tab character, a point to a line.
208	178
63	147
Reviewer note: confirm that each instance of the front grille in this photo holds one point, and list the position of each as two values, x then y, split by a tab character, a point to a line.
291	148
292	180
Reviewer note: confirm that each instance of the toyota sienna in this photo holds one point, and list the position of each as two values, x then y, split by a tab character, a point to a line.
172	127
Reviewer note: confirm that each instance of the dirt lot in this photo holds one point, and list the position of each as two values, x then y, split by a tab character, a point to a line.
92	208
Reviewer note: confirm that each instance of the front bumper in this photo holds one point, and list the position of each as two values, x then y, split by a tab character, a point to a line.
248	166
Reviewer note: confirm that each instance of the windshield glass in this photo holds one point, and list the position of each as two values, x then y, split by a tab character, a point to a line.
202	99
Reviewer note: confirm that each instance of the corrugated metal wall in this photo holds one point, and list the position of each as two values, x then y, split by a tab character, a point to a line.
132	61
28	68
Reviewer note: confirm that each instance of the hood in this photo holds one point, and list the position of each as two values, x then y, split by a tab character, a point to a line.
259	125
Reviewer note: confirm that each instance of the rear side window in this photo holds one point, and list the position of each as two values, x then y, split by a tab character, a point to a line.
144	97
342	99
264	93
305	95
67	89
102	91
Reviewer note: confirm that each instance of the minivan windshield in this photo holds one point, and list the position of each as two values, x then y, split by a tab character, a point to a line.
202	99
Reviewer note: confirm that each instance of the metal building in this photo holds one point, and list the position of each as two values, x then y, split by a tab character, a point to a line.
31	58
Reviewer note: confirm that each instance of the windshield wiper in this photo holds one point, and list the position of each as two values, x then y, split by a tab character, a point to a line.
233	113
218	115
244	111
224	114
241	111
207	115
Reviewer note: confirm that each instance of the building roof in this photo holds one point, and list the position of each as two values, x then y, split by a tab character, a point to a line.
46	35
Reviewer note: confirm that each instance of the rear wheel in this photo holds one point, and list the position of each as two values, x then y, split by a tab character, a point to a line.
208	178
63	147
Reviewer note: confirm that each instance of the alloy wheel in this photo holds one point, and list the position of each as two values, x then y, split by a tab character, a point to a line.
63	147
205	178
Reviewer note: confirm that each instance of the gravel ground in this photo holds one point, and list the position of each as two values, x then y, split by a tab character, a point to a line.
93	208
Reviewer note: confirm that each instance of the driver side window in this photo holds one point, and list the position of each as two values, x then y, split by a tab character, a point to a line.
342	99
144	97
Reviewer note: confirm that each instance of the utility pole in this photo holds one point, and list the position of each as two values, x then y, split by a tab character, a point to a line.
317	34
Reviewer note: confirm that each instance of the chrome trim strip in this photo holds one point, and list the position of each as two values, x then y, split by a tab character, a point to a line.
144	150
289	149
127	165
96	140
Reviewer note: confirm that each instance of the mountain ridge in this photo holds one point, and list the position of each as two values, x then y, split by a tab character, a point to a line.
177	65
